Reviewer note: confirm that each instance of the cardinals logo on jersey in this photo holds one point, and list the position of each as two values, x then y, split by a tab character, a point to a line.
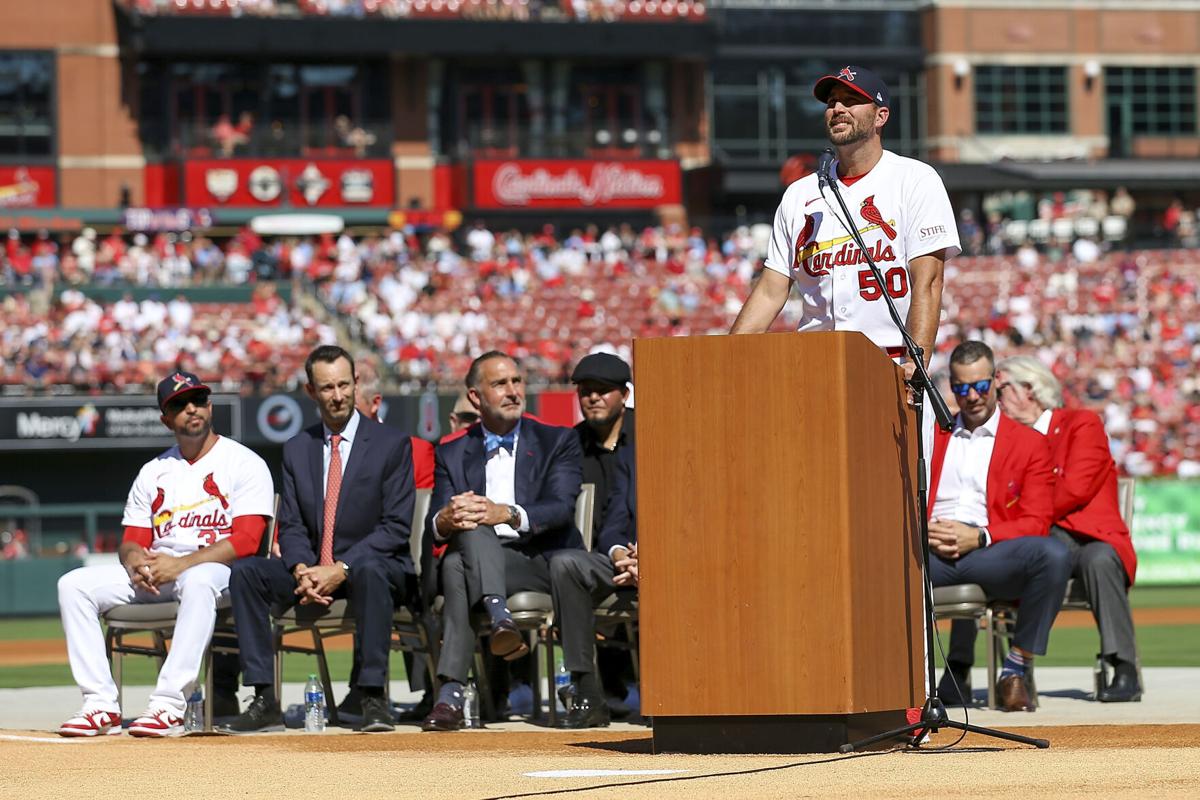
871	214
210	486
159	517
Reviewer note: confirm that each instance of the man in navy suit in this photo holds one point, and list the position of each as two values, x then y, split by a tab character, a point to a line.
344	521
503	503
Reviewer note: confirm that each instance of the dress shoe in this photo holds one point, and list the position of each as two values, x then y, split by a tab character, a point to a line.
376	714
587	712
1014	694
262	716
1124	687
420	711
954	688
507	641
444	717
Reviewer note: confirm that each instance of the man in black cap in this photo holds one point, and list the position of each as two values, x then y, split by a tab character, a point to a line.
193	511
581	579
899	207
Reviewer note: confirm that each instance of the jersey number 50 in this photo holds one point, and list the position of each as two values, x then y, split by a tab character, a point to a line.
896	280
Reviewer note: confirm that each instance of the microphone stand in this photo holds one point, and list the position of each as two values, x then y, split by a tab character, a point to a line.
933	713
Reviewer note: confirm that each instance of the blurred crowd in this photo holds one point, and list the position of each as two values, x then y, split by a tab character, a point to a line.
508	10
1120	329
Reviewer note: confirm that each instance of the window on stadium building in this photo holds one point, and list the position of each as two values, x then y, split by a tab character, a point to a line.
1151	101
217	109
26	105
1021	100
768	113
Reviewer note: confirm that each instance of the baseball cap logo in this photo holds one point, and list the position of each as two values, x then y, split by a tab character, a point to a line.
847	74
180	381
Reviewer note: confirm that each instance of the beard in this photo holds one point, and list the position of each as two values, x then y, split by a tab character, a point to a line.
857	131
605	421
189	431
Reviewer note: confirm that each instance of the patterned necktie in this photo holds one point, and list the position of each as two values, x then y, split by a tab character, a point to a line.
333	487
493	442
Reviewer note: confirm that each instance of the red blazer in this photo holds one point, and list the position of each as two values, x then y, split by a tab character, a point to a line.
1085	497
1020	482
422	463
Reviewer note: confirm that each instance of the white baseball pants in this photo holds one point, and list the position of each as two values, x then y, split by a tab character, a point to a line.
86	593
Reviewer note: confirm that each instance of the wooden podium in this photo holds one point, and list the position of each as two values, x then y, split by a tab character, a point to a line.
780	597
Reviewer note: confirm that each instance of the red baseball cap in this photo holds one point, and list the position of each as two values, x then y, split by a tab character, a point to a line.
860	79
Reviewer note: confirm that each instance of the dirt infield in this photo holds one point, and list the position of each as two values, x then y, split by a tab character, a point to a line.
1082	761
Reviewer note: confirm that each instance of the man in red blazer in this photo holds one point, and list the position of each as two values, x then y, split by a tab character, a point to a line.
990	508
1087	516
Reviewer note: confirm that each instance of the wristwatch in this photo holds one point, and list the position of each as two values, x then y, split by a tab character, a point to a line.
514	517
345	569
984	536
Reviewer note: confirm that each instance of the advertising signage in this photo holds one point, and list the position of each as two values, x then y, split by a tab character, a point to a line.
289	183
98	423
27	187
565	184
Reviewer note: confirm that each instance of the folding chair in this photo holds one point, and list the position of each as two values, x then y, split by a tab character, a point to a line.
158	620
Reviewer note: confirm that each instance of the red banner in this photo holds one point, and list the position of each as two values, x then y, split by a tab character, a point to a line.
305	183
576	184
27	187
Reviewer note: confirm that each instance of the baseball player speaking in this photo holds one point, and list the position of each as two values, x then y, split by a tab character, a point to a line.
898	204
193	510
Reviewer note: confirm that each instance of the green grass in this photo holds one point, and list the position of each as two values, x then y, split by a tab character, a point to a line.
1158	646
1165	597
141	671
30	628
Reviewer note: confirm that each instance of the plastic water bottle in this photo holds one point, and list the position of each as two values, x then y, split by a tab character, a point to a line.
471	706
314	706
193	715
562	686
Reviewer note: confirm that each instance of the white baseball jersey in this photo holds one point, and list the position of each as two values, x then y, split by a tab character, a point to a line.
189	506
901	209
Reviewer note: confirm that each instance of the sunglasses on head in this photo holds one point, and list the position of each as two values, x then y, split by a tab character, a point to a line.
963	389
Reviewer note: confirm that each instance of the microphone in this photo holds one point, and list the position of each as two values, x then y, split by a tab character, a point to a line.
824	165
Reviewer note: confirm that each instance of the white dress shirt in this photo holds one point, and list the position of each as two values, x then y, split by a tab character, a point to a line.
962	489
348	435
1042	425
500	475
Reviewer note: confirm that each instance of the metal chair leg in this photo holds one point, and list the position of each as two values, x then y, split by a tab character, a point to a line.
326	682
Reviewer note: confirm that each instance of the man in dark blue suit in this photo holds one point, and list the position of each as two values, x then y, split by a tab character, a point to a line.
503	503
344	521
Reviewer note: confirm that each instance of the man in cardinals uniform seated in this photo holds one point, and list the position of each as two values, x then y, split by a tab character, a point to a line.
991	501
193	510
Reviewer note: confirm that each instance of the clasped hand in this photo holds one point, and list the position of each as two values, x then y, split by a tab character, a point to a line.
317	584
467	511
952	540
625	563
148	569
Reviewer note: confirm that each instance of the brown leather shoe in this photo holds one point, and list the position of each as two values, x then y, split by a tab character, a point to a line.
507	641
1013	694
444	717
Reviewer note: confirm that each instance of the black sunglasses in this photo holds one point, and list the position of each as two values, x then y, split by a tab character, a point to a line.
177	404
466	417
964	389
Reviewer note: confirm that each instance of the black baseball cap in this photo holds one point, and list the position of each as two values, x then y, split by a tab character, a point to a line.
860	79
178	383
602	367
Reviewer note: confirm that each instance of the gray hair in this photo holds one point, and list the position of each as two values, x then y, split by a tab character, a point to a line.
1037	376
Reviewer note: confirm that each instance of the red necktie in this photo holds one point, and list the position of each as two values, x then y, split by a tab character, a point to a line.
333	487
